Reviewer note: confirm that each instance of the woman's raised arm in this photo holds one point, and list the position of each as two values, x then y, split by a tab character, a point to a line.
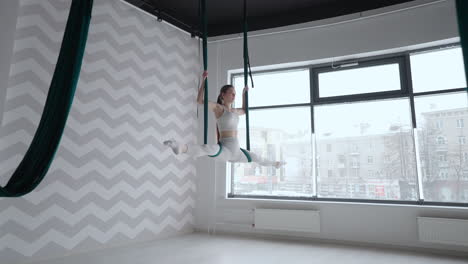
201	90
201	94
242	110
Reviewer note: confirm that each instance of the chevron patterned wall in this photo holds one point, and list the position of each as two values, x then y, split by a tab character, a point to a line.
112	181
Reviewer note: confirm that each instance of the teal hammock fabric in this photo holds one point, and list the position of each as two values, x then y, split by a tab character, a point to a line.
40	153
462	14
246	64
205	67
247	73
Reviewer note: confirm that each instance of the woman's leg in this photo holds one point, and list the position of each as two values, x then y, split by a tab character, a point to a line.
219	153
242	158
191	149
265	162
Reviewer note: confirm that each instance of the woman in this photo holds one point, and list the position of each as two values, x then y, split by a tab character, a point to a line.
227	119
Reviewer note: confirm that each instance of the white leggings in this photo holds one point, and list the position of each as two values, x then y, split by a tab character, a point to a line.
229	150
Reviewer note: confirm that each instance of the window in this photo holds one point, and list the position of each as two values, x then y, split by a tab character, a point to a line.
386	159
462	140
440	140
365	79
442	157
342	159
440	152
277	133
443	175
437	70
276	136
276	88
362	122
360	118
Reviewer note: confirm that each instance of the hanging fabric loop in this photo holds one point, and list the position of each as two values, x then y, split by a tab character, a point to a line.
40	153
205	68
462	15
246	80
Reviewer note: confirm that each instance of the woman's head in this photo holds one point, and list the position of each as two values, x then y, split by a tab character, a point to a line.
227	95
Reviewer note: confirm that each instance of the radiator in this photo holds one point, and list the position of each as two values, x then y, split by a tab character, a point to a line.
287	220
443	230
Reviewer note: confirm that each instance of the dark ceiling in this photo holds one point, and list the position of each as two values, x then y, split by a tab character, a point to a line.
225	16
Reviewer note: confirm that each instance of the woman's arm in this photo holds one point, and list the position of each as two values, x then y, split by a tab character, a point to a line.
201	90
201	94
242	110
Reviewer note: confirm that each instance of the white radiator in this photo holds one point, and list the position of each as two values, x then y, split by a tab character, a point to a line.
443	230
288	220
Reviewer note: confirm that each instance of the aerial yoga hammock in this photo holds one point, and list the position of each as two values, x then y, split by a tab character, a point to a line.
228	148
462	14
40	153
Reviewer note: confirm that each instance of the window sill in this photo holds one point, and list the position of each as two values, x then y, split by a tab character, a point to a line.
311	200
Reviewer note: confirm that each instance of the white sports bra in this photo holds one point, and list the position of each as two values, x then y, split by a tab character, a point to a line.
228	121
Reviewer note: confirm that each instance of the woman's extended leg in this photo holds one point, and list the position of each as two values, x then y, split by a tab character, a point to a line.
218	152
242	158
265	162
229	151
191	149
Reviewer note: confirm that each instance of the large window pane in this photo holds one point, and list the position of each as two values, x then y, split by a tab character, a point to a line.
366	151
277	134
443	133
438	70
276	88
361	80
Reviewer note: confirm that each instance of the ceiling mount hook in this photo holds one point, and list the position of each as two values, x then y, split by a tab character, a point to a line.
158	15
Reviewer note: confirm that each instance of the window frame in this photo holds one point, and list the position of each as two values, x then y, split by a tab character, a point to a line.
406	91
362	63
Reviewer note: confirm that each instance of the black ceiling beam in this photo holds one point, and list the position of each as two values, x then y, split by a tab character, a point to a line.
225	16
161	15
297	16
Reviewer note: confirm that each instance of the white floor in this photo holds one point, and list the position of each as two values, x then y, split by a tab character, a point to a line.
224	249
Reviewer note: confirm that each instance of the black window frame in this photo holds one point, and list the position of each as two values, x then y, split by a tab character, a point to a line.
361	63
406	91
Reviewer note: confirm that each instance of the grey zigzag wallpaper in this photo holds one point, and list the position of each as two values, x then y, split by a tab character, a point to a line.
112	181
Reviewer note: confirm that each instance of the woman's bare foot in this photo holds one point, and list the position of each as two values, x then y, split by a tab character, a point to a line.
279	164
175	146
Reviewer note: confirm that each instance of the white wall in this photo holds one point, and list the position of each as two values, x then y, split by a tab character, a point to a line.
365	33
8	12
112	182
